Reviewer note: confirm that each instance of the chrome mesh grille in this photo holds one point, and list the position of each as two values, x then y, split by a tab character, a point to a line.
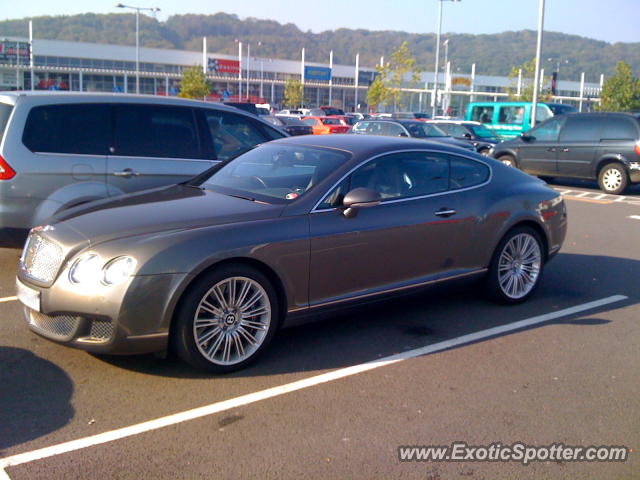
101	329
41	258
60	327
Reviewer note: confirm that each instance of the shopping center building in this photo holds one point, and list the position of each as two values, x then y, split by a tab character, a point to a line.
89	67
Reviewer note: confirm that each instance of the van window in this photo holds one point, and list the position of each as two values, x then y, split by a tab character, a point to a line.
542	113
482	114
548	131
155	131
617	128
579	128
5	111
74	128
513	115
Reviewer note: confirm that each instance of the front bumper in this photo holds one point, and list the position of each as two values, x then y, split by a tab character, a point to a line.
130	318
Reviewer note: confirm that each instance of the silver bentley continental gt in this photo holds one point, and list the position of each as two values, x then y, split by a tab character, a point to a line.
213	267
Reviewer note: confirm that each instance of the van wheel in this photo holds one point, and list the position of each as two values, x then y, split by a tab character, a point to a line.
508	160
613	179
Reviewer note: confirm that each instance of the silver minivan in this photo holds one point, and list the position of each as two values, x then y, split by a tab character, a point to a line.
59	150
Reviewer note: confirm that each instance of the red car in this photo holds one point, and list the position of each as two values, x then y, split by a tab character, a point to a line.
326	125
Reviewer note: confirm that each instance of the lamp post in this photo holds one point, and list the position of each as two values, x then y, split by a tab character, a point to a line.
536	79
138	10
434	99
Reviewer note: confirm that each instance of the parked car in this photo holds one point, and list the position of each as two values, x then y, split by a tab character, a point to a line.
291	125
249	107
411	116
325	125
510	119
480	136
329	110
63	149
407	128
214	266
602	146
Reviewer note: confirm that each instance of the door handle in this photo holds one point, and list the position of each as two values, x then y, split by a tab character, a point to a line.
565	150
551	149
445	212
126	173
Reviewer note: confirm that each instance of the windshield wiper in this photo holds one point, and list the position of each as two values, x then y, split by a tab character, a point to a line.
241	196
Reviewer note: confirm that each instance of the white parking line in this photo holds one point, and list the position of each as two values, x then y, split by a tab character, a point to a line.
583	194
8	299
601	196
120	433
635	217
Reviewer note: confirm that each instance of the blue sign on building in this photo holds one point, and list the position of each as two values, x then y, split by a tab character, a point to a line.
317	73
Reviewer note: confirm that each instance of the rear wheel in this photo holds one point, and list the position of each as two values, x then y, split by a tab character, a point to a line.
613	179
508	160
516	266
226	319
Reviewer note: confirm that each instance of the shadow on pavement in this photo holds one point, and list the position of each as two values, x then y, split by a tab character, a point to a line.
34	404
378	330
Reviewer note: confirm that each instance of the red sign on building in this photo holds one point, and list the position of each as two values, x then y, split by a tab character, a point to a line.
217	65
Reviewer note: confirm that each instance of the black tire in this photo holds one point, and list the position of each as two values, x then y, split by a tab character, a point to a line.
494	282
508	160
229	322
613	179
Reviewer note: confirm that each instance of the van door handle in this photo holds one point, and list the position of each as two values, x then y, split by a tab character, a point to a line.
126	173
445	212
551	149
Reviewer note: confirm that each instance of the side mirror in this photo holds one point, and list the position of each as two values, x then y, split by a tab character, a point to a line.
527	138
359	198
467	136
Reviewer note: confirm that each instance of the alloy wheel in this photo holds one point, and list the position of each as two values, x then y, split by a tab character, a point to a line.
519	266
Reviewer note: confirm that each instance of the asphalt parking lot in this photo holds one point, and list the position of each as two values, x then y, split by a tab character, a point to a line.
561	368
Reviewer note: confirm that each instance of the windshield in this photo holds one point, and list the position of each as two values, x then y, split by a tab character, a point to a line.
424	130
331	121
481	131
275	173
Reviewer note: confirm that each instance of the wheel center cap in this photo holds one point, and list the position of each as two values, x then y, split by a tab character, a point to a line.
230	319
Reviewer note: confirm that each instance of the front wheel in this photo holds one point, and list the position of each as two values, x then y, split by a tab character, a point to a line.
613	179
516	266
226	319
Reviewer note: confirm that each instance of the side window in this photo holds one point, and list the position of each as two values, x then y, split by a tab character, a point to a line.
482	114
542	113
580	128
272	134
335	197
231	133
75	128
404	175
310	121
548	131
455	130
394	130
155	131
619	128
467	173
513	115
360	127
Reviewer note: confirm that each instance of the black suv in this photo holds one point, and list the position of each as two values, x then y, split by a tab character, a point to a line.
602	146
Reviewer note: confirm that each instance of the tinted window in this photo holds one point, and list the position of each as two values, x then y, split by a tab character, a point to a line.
548	131
619	128
155	131
394	130
335	197
310	121
466	173
77	128
232	133
482	114
404	175
511	115
5	111
579	128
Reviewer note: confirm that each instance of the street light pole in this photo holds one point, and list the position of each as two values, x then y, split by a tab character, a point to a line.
434	99
138	9
536	79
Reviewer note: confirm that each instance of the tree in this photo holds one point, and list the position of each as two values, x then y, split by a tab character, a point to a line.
526	91
620	93
293	93
194	83
392	76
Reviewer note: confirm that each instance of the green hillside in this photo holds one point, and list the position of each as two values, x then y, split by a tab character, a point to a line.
493	54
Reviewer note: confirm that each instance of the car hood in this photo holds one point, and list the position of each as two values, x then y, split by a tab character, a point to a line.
170	208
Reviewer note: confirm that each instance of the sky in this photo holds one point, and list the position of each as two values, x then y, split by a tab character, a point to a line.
610	20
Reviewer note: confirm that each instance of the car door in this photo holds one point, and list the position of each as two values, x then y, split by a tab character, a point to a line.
538	148
153	145
578	144
407	239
